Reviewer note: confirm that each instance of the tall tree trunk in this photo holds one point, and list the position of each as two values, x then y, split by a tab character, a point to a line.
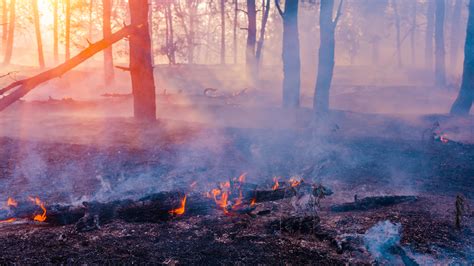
150	23
222	9
413	34
455	34
290	54
463	103
107	31
141	69
397	28
236	10
91	8
39	41
11	33
68	30
430	19
326	55
169	35
192	8
251	40
261	39
4	24
55	31
440	75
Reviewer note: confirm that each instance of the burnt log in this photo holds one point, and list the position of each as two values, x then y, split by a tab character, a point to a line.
370	203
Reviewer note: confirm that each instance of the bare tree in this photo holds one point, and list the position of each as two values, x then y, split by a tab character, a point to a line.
39	41
4	24
107	31
55	31
11	33
326	55
430	19
455	33
68	30
222	10
463	103
141	69
251	39
290	54
397	28
263	26
440	72
234	31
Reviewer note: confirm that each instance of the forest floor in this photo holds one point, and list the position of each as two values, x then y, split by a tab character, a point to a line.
71	159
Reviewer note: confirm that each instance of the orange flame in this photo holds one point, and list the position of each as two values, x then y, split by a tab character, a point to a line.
242	178
444	138
180	210
12	203
39	217
294	182
252	202
11	220
276	185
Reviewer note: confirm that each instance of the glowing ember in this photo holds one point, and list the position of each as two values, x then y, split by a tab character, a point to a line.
242	178
39	217
294	182
11	220
444	138
276	185
180	210
12	203
252	202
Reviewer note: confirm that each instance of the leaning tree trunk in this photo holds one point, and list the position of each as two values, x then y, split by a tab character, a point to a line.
39	41
290	54
222	32
430	16
4	24
55	31
463	103
455	34
107	31
440	71
68	30
11	33
251	40
326	55
141	69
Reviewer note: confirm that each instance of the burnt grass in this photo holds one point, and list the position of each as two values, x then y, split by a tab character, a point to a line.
434	171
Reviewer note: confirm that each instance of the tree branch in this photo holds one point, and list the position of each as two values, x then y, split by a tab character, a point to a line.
338	14
277	4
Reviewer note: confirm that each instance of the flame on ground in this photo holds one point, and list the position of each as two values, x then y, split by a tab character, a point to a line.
276	185
181	209
12	203
10	220
38	202
294	182
444	138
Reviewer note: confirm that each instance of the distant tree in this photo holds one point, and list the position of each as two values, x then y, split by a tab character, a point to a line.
455	33
440	71
11	33
68	30
290	54
326	54
141	69
222	11
251	39
107	31
430	20
39	41
413	32
463	102
397	29
263	27
4	24
234	30
55	31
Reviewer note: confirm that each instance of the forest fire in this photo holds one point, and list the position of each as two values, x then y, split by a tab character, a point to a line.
181	209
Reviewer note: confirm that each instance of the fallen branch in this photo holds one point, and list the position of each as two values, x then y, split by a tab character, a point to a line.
26	85
372	203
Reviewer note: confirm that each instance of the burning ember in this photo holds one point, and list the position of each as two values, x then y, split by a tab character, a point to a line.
11	220
180	210
276	185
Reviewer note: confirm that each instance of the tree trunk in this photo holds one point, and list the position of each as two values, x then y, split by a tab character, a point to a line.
455	34
290	54
463	103
55	31
91	8
413	35
68	29
39	41
171	35
236	10
326	56
430	18
141	69
107	31
440	72
222	32
4	24
251	40
397	28
261	39
11	33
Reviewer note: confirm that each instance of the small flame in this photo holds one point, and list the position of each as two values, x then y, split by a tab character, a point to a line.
294	182
252	202
10	220
12	203
180	210
276	185
444	138
242	177
38	202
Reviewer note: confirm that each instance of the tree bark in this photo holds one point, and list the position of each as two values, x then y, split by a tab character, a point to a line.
326	55
430	19
39	41
455	34
463	103
290	54
141	69
55	31
107	31
26	85
440	71
4	24
68	29
11	33
251	40
236	10
222	9
261	39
